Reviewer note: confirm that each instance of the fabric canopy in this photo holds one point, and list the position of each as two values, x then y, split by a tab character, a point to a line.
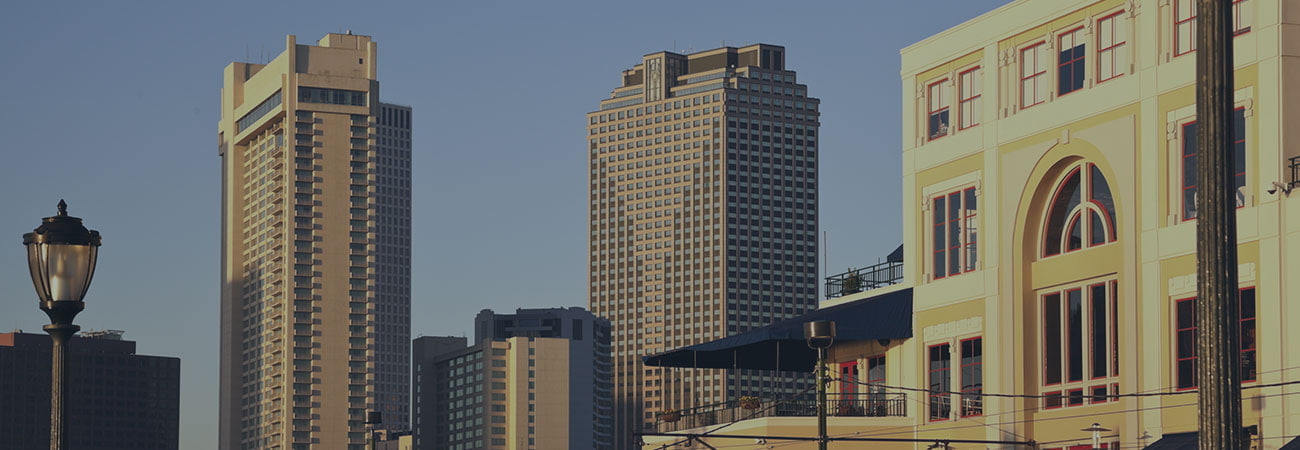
1293	445
1175	441
781	346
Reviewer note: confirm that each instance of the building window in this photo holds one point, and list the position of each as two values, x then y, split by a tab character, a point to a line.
955	238
1184	27
1243	13
848	379
1185	356
1081	213
937	98
1079	333
969	89
1033	75
1188	192
972	377
1112	49
876	374
1070	62
940	382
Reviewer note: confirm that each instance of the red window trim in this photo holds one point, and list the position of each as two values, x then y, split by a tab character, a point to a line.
1182	162
929	103
882	362
1060	185
1113	46
1043	327
1065	375
964	213
1023	50
1110	221
1069	397
1190	18
1092	337
1049	395
849	386
1114	329
962	99
962	365
947	374
1237	30
1195	329
1059	65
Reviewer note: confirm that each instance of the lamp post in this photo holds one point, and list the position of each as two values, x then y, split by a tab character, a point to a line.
1096	430
820	335
61	257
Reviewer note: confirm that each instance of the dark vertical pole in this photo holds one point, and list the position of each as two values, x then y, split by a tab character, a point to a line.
59	337
821	398
1218	340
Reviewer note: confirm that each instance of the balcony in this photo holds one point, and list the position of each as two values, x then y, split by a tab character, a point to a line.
878	404
867	278
1293	163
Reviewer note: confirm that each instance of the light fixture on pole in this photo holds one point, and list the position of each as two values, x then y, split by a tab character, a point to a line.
61	256
1096	430
820	335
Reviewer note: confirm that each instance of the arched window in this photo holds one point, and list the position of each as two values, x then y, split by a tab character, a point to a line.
1081	213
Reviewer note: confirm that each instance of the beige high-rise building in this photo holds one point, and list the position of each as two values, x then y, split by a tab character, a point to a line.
315	210
703	213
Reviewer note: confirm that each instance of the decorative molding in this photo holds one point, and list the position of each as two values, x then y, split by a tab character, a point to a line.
952	329
1171	131
1065	137
1186	284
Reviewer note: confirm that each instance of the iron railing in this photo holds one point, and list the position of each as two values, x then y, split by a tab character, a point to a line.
864	279
880	404
1294	165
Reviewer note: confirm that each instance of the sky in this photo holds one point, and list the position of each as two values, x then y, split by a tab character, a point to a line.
113	106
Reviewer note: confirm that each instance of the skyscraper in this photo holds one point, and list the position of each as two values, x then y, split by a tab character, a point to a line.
315	300
703	217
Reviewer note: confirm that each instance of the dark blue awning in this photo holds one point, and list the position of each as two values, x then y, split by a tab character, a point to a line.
781	346
1293	445
1175	441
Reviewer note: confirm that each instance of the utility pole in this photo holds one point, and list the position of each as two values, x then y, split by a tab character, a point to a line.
1217	312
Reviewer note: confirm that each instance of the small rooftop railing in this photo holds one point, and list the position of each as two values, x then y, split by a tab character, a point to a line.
867	278
865	404
1294	164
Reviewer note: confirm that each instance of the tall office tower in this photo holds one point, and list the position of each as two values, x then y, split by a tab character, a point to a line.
703	217
315	249
538	378
392	277
118	400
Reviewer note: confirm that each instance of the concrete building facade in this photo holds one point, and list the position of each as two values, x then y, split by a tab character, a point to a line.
1049	162
117	399
703	217
315	297
536	379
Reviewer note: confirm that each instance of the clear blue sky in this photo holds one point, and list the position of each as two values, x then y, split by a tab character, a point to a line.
114	106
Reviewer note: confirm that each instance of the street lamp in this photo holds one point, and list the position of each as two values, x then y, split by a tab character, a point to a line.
1096	430
820	335
61	257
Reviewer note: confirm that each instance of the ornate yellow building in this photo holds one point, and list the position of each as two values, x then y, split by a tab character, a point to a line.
1049	221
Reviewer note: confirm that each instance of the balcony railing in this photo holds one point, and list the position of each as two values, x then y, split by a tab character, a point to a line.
1294	165
882	404
864	279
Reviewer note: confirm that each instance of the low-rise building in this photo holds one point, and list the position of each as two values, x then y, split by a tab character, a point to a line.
116	399
539	378
1049	212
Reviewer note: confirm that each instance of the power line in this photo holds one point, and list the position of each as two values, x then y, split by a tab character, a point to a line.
1042	396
